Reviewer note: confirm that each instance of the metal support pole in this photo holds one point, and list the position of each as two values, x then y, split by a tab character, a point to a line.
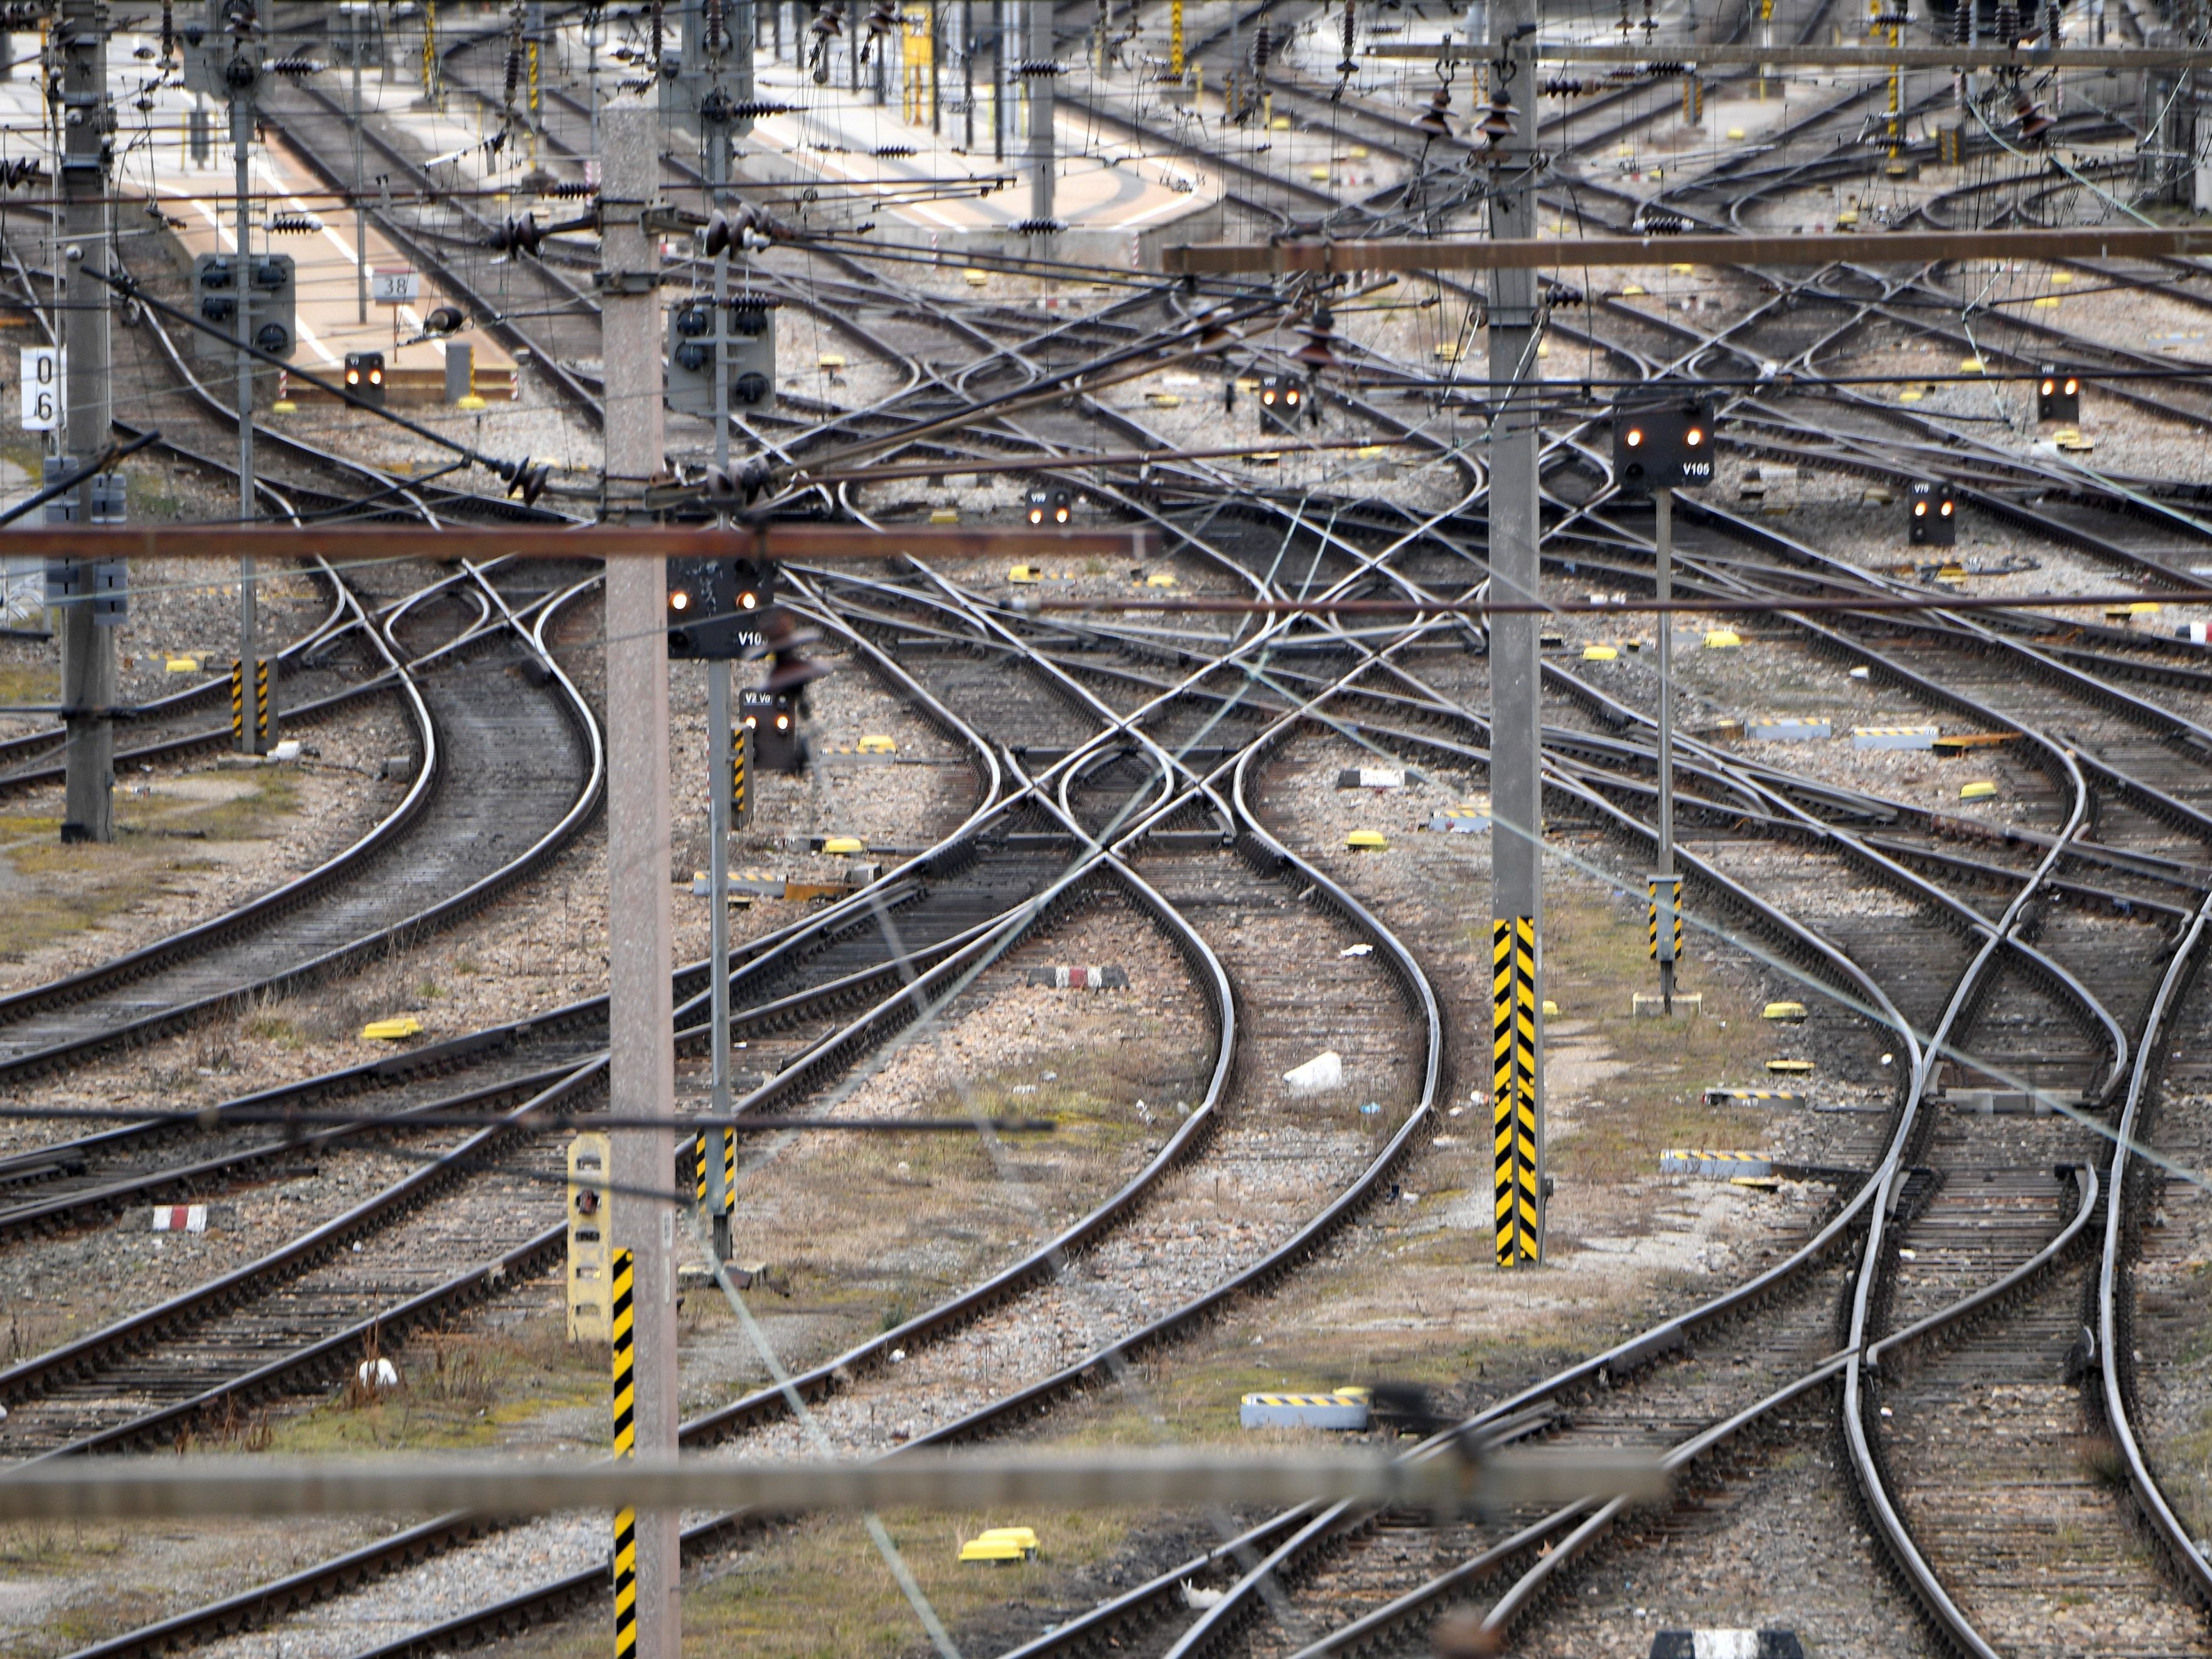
1042	150
1663	890
1516	794
718	731
357	44
88	651
642	1073
998	80
255	738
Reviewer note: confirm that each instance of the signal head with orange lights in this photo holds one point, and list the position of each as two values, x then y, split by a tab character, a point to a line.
1662	441
1280	400
364	377
770	720
1932	514
2057	394
716	607
1048	508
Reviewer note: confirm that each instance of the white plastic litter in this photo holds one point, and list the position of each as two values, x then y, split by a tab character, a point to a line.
289	750
1198	1600
1356	950
1324	1071
378	1374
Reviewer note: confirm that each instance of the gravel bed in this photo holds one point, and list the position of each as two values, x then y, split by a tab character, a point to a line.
829	1201
171	872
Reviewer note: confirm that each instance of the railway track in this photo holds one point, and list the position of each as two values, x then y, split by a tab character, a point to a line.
2004	946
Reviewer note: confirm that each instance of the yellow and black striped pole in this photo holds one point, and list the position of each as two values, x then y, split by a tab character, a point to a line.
1665	941
1174	40
729	1170
1513	1089
237	703
265	719
625	1399
741	745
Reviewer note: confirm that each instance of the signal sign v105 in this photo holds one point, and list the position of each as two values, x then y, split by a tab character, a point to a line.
1662	441
716	607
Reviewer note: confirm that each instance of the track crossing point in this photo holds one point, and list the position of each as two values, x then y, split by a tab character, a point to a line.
1513	1087
625	1408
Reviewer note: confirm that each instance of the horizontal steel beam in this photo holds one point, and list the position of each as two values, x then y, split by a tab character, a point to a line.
1874	57
256	1485
1547	254
793	540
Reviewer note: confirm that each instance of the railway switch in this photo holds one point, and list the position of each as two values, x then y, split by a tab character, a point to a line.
2057	395
716	607
1280	398
1662	442
364	377
1934	520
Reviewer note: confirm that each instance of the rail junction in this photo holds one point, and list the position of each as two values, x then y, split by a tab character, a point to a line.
1141	721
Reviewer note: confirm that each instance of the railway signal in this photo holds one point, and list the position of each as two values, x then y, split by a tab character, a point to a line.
1050	506
1934	515
1279	398
364	377
1662	441
2057	395
716	608
744	325
773	739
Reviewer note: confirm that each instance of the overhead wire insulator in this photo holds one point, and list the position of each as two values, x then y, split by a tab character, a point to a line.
654	37
294	66
168	30
1351	29
1263	48
881	21
527	478
1498	121
1318	355
1565	86
518	235
1433	120
514	57
294	224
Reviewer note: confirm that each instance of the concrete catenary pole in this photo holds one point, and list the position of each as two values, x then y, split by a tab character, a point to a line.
643	1075
88	651
1042	143
1517	793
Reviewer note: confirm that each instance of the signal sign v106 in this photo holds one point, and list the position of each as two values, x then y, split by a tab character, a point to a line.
1662	441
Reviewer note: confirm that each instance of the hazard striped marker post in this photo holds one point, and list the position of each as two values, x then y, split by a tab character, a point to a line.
1665	931
253	730
1513	1092
625	1411
718	1205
